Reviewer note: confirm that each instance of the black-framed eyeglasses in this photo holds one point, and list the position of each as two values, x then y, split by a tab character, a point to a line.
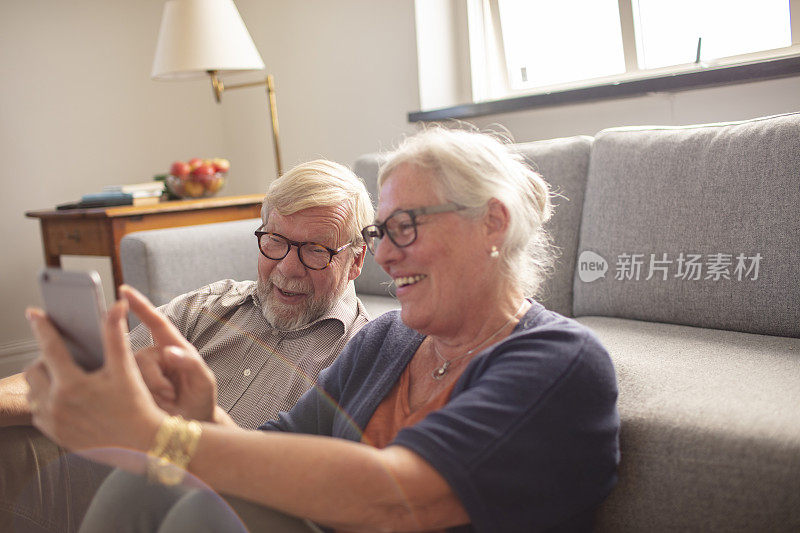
401	226
313	255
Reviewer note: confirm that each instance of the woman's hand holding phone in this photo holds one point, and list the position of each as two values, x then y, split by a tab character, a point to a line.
110	407
119	404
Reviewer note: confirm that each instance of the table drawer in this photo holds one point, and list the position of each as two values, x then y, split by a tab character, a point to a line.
77	237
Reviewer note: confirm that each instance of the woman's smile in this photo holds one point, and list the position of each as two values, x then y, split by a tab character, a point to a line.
405	281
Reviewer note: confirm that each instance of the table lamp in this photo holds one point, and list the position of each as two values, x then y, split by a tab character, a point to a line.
200	38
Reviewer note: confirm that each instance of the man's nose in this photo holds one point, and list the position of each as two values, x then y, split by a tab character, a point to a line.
291	266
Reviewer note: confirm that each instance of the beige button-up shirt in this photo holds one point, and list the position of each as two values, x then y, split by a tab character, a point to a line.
260	370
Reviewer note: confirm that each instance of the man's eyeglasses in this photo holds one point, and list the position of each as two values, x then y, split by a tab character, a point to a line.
313	255
401	226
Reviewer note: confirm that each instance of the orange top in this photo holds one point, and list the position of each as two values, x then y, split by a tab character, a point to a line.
394	412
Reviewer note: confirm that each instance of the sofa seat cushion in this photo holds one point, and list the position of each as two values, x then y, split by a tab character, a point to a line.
710	434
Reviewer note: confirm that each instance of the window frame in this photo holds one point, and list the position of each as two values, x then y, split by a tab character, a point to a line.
487	62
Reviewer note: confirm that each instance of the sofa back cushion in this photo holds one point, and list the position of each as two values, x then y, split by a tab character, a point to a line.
563	163
373	280
695	225
166	263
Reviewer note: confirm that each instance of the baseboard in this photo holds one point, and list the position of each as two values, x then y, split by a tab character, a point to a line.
15	355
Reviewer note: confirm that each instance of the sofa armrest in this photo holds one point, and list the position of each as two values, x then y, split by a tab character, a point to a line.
165	263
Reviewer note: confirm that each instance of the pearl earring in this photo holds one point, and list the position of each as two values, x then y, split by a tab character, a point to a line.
494	254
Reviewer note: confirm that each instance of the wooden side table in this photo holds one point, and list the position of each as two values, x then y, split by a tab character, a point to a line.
98	231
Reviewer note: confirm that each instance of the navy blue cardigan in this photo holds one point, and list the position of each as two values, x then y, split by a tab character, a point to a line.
529	438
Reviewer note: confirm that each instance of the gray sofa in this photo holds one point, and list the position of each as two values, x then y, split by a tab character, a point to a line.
680	247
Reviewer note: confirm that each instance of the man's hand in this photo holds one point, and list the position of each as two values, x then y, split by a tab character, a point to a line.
178	378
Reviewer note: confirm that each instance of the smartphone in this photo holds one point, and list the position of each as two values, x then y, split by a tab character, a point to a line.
75	304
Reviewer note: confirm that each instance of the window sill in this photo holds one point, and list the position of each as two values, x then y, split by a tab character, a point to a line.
707	77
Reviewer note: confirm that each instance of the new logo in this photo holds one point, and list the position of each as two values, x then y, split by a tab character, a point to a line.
591	266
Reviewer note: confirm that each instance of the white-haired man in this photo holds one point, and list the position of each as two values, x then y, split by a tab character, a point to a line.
265	340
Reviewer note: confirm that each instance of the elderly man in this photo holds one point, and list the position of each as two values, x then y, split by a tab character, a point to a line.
265	341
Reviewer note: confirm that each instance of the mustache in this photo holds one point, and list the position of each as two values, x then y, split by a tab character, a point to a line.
290	285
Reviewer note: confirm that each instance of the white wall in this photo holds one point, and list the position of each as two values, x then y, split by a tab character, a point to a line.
345	75
78	111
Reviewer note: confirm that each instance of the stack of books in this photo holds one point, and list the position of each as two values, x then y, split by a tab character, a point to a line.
141	193
134	194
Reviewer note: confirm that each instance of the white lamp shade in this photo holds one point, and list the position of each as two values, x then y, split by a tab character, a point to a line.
201	35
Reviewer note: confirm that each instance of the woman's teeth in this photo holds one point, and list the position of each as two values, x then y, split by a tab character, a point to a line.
408	280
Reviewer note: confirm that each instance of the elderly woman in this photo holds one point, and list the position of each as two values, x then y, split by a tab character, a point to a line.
471	406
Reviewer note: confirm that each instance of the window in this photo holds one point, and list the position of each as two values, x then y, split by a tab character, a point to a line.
669	30
521	47
546	44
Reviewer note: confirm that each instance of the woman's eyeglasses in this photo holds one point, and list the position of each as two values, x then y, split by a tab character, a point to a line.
401	226
313	255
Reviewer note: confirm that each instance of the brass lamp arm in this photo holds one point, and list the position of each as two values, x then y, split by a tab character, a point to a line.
219	87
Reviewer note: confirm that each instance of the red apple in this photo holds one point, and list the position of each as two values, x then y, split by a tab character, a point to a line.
195	162
221	165
206	180
202	173
203	170
180	169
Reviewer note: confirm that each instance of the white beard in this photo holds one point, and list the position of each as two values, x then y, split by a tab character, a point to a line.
290	317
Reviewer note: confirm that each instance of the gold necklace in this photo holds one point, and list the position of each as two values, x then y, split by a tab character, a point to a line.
439	372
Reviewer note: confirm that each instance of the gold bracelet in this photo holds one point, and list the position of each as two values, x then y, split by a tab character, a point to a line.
173	448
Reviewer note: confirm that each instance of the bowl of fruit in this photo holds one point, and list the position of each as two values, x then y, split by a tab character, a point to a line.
197	178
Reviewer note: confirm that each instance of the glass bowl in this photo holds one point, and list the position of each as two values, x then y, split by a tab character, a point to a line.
195	186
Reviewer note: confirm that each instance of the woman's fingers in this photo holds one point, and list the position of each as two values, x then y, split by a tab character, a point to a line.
195	383
195	373
151	367
39	381
164	332
115	340
54	351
